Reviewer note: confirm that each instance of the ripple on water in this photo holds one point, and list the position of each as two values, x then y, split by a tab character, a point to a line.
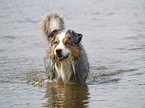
97	75
104	75
37	78
9	37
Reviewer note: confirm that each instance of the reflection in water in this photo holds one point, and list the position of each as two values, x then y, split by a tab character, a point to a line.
66	96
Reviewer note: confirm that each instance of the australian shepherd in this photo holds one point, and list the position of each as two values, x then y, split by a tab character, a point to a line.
66	60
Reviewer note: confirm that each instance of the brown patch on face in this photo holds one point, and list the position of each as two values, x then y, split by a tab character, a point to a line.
74	51
56	42
52	51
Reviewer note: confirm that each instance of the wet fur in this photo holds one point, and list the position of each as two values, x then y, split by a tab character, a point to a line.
75	69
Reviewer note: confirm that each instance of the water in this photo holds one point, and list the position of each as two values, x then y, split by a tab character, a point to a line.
114	38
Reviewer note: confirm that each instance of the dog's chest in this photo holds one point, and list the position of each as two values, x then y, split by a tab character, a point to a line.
65	70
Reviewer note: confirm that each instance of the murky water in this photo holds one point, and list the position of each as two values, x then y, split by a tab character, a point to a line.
114	38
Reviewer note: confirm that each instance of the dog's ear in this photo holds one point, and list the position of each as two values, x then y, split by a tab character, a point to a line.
52	34
77	36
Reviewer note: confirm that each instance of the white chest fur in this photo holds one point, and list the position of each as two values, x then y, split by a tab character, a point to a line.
65	69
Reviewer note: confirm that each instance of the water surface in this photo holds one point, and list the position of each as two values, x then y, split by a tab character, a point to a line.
114	39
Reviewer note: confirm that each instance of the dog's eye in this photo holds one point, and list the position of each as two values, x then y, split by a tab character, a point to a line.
67	43
55	42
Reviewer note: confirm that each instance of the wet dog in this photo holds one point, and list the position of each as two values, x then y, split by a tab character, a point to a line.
66	60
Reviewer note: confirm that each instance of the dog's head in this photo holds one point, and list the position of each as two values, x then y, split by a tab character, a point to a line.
64	44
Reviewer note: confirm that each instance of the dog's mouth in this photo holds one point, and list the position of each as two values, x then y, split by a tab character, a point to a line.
61	58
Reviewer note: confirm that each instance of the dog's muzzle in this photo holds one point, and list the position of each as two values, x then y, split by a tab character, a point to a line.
60	56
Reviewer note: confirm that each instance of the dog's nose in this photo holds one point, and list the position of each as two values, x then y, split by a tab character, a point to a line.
58	51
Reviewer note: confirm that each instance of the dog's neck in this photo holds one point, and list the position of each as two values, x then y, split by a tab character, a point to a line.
65	69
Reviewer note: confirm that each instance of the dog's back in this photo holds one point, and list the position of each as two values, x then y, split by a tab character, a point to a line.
79	66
